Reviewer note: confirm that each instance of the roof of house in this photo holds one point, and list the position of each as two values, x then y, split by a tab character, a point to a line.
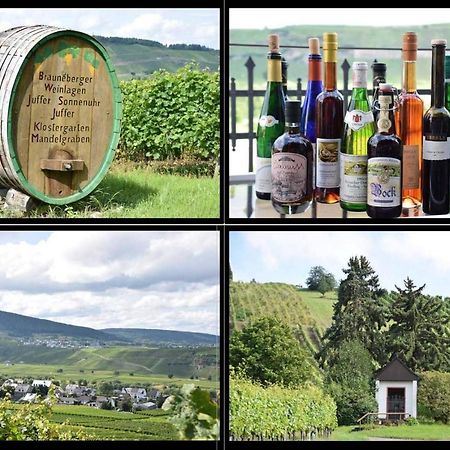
396	370
135	390
28	398
47	383
22	387
70	400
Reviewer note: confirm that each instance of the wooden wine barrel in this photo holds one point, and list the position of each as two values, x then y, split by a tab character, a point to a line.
60	107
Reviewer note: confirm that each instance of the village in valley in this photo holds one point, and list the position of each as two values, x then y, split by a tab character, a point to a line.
125	398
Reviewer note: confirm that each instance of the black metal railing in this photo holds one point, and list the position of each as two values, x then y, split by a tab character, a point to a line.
251	93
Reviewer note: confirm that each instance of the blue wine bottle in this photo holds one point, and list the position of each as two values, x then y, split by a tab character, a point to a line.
313	89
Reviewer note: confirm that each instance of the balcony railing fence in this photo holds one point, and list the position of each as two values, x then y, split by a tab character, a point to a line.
250	93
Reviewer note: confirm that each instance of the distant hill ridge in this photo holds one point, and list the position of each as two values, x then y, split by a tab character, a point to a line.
139	58
348	36
20	326
150	43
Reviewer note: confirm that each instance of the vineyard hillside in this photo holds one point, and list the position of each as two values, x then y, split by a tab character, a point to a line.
306	311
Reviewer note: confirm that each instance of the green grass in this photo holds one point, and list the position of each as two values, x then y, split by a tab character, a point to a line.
293	306
139	61
128	192
305	311
419	432
321	308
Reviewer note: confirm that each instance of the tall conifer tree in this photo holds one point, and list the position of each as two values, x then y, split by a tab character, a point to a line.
359	313
420	331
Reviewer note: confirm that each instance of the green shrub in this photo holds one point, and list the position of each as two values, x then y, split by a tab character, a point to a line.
351	404
411	421
195	415
434	395
171	115
31	422
275	412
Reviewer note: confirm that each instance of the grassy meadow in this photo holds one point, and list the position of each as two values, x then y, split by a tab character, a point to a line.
130	191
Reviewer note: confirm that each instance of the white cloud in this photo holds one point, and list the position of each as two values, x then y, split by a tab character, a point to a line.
114	279
166	25
287	256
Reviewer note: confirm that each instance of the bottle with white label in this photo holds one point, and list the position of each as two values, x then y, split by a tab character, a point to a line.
329	126
436	143
384	160
292	166
271	120
358	128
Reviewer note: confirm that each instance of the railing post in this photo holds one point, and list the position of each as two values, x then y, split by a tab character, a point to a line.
233	113
345	69
299	89
250	66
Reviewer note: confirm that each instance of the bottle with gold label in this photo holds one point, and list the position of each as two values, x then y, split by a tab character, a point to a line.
271	120
329	126
359	127
409	128
384	161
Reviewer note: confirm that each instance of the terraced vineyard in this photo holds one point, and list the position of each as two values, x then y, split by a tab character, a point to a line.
306	311
114	425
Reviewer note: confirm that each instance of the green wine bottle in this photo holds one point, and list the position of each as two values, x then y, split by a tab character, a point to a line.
358	128
271	120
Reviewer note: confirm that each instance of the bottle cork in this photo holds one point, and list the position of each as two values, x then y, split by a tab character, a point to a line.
409	47
274	43
314	46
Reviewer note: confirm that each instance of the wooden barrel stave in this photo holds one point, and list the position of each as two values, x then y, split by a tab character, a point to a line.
18	168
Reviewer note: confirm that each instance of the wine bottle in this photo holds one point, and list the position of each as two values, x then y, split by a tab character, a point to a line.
313	89
284	76
436	144
409	128
329	126
271	120
379	76
292	166
384	161
359	127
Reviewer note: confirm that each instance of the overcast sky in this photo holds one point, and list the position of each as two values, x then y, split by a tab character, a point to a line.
259	18
287	256
169	26
101	279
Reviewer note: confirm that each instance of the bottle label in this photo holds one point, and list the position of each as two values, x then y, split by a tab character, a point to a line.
359	78
263	177
384	182
356	119
353	187
289	176
327	162
436	150
274	70
268	121
411	173
384	124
